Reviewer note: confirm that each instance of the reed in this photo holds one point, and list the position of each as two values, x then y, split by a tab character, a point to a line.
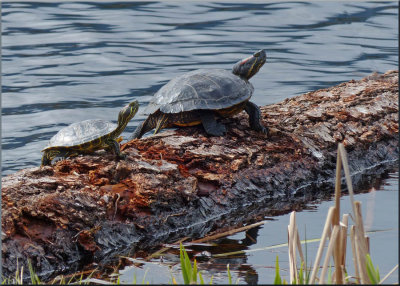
337	232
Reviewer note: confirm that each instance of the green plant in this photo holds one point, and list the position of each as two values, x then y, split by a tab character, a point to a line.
278	279
34	278
189	273
373	273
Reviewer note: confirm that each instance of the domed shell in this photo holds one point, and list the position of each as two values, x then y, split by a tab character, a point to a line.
81	132
201	89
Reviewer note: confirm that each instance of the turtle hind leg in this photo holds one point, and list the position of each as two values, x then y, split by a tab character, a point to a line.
114	146
49	155
254	113
210	124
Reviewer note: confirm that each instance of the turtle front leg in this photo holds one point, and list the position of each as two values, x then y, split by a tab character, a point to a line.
210	124
114	146
143	127
47	157
254	113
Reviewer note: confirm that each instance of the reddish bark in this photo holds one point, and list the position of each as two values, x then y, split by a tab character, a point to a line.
184	182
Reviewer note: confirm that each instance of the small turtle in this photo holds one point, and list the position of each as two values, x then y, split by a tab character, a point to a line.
88	136
203	95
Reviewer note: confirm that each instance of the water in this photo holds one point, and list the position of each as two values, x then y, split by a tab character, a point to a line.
67	62
72	61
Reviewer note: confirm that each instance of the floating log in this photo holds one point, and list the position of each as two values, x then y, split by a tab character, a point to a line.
185	183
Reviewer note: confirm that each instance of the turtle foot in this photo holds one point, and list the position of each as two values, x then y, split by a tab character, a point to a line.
122	156
262	129
217	130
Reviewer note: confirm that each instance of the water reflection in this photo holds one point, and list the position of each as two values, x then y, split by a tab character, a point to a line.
258	247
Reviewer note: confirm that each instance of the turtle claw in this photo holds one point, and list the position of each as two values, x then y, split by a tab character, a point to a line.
264	130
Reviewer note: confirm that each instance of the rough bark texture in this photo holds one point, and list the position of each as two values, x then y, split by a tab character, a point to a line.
185	183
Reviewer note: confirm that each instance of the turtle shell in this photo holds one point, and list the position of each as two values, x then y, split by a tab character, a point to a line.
201	89
81	132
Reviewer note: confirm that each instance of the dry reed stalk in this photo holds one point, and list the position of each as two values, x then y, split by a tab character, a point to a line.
162	250
329	253
355	205
293	244
336	216
343	245
361	244
387	275
292	247
335	221
343	155
343	274
322	244
354	250
361	257
361	239
77	274
339	253
229	232
299	247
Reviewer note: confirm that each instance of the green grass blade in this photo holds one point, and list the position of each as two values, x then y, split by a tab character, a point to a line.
201	278
134	278
33	281
278	279
34	278
185	273
377	273
21	278
188	265
17	274
301	274
229	275
194	273
371	272
144	276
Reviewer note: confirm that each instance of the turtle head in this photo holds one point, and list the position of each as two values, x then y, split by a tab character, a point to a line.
127	113
248	67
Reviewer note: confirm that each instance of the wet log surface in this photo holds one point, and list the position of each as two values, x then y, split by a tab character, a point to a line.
185	183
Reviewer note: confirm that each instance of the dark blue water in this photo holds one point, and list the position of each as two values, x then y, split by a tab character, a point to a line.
72	61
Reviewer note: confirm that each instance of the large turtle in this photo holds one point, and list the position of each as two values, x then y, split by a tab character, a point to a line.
203	95
88	136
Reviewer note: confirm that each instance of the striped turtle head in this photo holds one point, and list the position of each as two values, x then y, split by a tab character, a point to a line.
248	67
127	113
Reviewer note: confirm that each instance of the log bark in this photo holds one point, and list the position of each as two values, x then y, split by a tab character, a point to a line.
185	183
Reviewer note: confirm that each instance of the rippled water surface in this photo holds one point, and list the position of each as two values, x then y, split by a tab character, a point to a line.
64	62
72	61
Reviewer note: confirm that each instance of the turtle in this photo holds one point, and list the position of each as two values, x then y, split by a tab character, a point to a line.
87	136
203	96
